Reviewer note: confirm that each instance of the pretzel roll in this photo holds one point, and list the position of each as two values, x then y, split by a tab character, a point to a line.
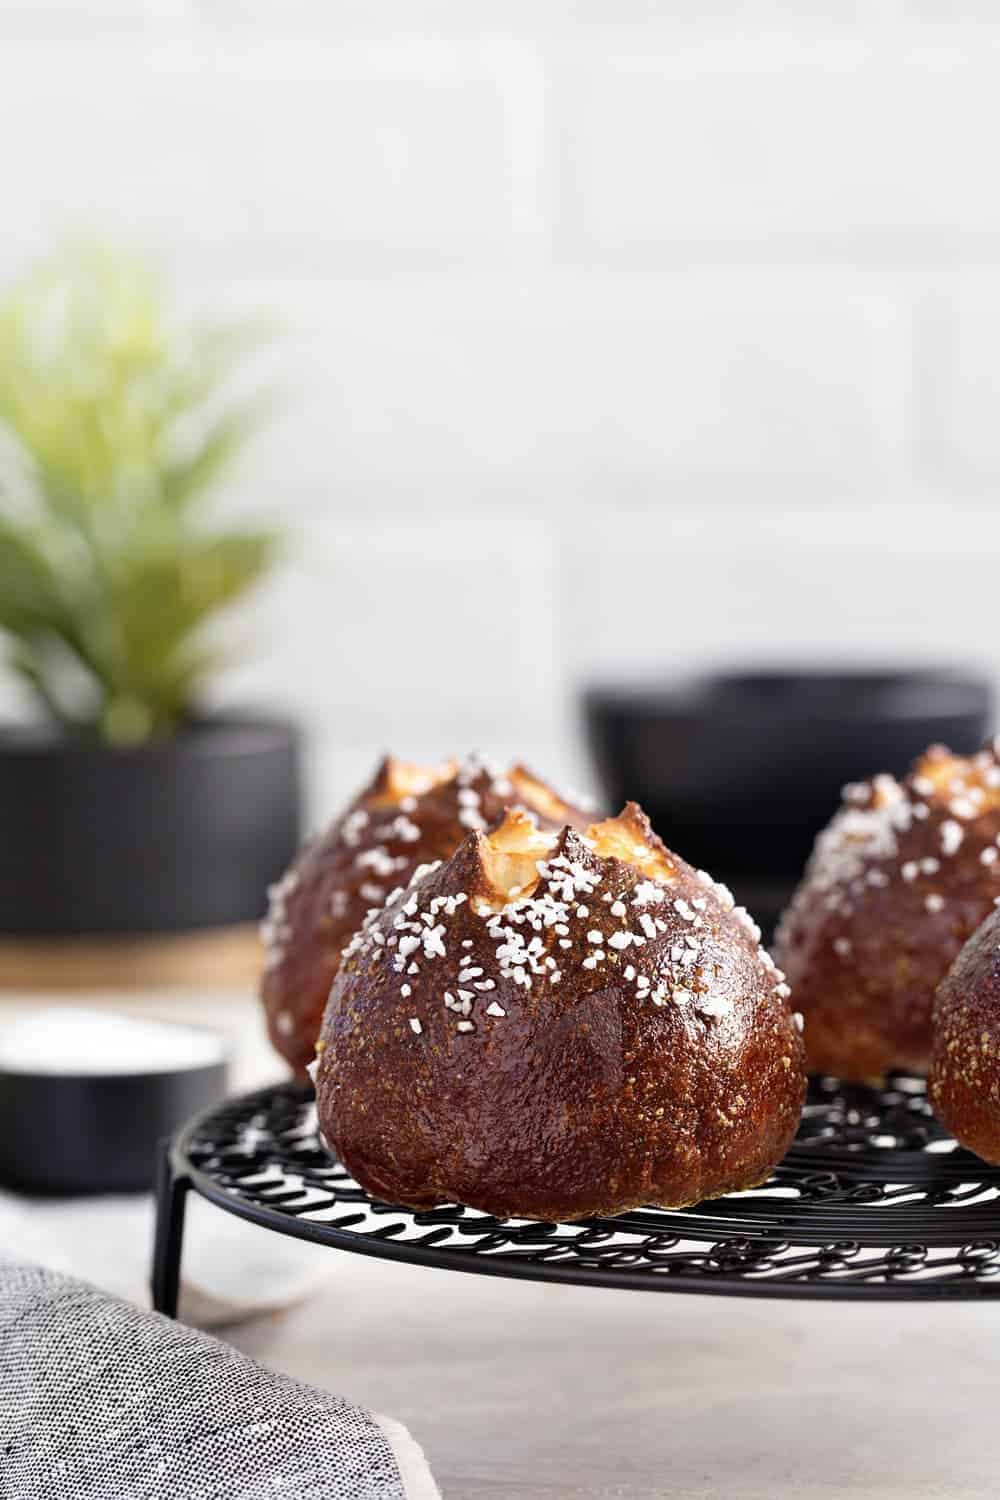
551	1026
903	875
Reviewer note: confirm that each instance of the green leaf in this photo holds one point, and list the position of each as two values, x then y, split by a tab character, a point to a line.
217	570
185	479
109	576
29	591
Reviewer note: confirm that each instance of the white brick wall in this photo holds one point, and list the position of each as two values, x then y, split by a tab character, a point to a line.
806	147
614	335
958	420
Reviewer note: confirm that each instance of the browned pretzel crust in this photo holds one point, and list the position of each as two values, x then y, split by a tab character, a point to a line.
964	1081
408	815
903	875
554	1027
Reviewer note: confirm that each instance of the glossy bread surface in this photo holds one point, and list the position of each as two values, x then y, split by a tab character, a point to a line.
964	1083
605	1033
900	879
407	816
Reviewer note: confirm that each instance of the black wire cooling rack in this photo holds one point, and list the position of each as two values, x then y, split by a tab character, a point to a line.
873	1200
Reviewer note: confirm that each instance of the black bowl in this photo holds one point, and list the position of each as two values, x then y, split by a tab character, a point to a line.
739	770
67	1130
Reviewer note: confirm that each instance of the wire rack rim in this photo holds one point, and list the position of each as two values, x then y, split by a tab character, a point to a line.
729	1247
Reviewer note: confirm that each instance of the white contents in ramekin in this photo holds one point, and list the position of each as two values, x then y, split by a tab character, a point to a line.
92	1043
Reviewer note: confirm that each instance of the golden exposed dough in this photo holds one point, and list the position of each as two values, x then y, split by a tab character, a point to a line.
398	779
536	794
510	857
954	776
627	837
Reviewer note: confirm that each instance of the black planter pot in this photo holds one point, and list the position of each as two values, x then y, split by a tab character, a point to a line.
169	837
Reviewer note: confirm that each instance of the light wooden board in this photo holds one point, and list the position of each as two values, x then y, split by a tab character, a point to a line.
217	959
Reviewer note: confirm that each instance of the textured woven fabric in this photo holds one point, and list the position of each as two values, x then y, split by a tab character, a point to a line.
102	1401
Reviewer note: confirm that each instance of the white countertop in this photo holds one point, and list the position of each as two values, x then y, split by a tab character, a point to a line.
549	1392
520	1391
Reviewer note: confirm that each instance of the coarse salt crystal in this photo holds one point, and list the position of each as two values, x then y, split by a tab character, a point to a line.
713	1006
646	892
952	835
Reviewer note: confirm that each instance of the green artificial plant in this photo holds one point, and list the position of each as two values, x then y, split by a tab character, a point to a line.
115	423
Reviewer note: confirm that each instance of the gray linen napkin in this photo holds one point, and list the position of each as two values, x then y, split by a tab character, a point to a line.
100	1400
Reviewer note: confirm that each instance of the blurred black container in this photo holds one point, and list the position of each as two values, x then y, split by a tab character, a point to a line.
739	770
74	1123
171	836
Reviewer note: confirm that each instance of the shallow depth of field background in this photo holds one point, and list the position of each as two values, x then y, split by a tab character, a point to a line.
615	335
